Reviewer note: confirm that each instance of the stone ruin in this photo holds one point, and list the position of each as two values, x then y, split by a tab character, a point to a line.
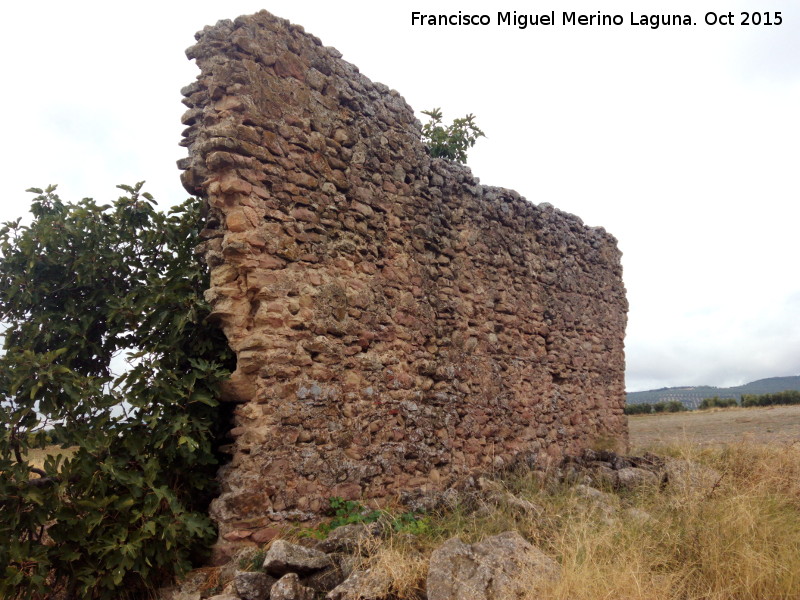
398	326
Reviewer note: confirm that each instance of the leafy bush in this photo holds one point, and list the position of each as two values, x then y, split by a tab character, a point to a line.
644	408
453	141
411	522
669	406
346	512
717	402
638	409
81	285
786	398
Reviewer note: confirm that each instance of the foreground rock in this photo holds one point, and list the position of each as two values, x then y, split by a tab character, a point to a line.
685	475
349	538
290	588
283	558
501	567
253	586
361	585
633	477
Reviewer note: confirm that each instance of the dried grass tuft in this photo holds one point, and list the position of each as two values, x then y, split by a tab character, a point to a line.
737	539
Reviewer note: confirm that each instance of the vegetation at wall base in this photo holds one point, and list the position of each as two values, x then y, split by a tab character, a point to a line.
126	507
347	512
733	537
453	141
343	512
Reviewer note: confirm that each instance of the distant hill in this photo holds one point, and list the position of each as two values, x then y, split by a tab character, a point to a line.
692	396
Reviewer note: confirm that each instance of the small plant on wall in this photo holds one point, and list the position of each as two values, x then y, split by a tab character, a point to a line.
452	141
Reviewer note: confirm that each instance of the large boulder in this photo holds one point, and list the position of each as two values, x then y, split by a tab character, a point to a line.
284	557
629	478
290	588
349	538
686	476
501	567
361	585
251	585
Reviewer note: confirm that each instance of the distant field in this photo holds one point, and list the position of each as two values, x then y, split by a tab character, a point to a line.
37	456
764	425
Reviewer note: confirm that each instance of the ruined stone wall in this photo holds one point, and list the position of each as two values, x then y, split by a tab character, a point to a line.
398	326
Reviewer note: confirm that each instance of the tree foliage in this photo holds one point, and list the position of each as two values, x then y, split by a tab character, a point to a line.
644	408
453	141
717	402
787	397
82	285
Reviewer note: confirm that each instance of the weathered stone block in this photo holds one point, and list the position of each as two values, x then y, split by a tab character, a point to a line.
290	588
284	557
500	567
252	585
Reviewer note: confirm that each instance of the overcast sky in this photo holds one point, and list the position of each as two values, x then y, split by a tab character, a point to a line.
681	141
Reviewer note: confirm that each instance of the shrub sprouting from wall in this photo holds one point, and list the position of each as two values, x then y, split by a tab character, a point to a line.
453	141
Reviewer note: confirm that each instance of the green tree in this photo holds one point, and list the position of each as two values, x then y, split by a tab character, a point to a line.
638	409
785	397
126	508
717	402
453	141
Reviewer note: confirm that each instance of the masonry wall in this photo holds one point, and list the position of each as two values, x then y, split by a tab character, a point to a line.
398	326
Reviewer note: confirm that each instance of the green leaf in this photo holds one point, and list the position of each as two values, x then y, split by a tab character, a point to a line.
83	283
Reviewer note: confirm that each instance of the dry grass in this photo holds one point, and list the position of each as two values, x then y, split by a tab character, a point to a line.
739	540
396	569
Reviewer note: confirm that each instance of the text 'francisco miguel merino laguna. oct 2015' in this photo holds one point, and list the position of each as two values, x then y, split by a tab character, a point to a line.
571	18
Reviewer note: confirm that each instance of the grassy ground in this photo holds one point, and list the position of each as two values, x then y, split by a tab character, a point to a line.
738	539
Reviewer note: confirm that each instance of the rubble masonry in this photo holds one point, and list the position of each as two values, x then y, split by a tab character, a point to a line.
398	326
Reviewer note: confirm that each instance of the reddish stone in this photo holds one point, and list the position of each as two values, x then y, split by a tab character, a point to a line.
271	262
266	534
290	65
303	214
237	536
236	221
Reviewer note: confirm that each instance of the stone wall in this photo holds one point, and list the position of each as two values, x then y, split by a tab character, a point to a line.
398	326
